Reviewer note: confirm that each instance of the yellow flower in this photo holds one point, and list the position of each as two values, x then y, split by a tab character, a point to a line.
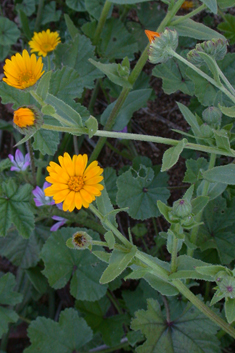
44	42
24	117
22	71
151	35
73	183
187	5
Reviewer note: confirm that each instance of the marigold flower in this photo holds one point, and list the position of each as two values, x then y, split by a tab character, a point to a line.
24	117
73	183
44	42
151	35
187	5
22	71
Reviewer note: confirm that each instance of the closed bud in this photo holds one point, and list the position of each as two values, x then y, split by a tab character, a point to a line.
206	131
182	208
161	46
27	120
227	286
123	70
216	48
212	116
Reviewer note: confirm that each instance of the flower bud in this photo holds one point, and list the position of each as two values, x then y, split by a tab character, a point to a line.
227	286
182	208
27	120
217	48
159	46
206	131
212	116
80	241
123	70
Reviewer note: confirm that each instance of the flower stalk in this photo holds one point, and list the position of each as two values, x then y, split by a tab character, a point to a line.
101	22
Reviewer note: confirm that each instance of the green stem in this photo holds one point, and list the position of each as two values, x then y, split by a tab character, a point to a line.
224	78
194	232
99	243
174	255
39	170
30	151
202	74
39	15
101	22
75	144
94	96
189	15
203	308
114	301
37	98
25	319
48	63
132	78
147	138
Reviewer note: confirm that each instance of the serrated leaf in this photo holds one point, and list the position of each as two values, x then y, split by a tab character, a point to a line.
9	32
174	77
111	71
44	85
163	287
8	297
50	14
24	252
227	27
194	169
118	262
73	30
77	5
186	269
46	141
222	174
116	41
15	208
190	332
134	101
222	140
27	6
75	54
141	194
211	4
61	263
230	310
14	96
66	336
171	156
189	28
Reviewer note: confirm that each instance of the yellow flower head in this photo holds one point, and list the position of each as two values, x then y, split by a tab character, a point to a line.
73	183
187	5
22	71
44	42
151	35
24	117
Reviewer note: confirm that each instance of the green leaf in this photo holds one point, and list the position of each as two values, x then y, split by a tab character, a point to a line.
110	179
8	297
105	207
25	25
61	263
5	164
73	30
230	310
199	203
118	262
222	140
77	5
211	4
4	50
37	279
62	337
171	156
174	77
27	6
111	328
92	125
116	41
46	141
229	111
211	63
163	287
192	29
50	14
69	54
190	118
111	71
9	32
228	27
43	85
15	208
110	239
190	332
223	174
14	96
24	252
135	100
194	169
186	269
223	4
140	191
210	270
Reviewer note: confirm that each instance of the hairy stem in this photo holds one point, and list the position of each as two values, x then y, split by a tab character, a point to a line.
174	255
101	22
189	15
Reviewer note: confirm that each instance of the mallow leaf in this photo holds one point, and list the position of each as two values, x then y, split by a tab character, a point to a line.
82	267
66	336
191	331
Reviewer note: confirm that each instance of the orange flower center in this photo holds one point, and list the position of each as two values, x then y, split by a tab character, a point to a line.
75	183
27	79
46	47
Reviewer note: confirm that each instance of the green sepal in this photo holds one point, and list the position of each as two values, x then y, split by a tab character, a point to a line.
92	125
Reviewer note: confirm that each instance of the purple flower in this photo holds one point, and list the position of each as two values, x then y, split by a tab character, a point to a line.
40	198
20	162
61	220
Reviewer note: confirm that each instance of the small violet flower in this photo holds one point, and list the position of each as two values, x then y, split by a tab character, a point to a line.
61	220
40	198
20	162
